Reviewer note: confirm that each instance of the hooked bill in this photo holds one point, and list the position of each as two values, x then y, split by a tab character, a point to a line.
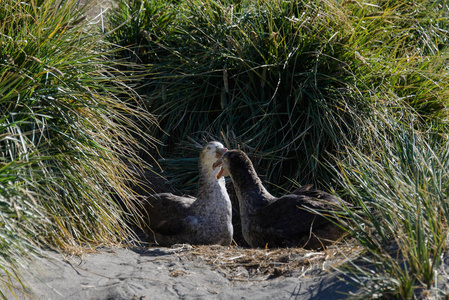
220	173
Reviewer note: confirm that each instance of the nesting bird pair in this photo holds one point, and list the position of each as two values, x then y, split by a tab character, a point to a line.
290	220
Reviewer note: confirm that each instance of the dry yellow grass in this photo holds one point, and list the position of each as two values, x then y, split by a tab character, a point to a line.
244	264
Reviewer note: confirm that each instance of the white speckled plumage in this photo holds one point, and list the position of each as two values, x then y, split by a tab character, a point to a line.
202	220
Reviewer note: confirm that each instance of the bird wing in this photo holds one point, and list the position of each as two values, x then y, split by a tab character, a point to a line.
166	213
289	217
319	198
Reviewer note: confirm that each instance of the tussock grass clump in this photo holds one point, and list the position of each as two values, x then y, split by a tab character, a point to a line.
401	47
287	81
64	134
267	77
402	223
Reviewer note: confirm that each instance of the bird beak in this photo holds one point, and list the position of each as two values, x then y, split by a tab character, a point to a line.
220	152
217	163
220	173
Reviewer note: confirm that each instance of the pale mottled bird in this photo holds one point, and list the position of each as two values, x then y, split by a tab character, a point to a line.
202	220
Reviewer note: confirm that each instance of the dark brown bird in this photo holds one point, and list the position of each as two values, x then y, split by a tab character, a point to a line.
279	222
206	219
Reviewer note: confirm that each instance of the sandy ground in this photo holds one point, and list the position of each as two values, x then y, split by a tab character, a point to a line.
185	272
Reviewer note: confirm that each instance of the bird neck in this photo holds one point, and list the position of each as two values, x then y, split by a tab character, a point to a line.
249	188
208	184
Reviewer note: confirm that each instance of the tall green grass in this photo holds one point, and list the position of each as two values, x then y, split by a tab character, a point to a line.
402	223
286	81
65	134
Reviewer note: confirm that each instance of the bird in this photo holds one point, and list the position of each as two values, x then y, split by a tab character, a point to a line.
204	220
287	221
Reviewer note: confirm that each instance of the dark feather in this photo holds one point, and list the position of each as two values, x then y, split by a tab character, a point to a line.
286	220
163	211
297	219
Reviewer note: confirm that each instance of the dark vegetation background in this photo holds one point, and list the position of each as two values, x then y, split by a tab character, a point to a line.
292	83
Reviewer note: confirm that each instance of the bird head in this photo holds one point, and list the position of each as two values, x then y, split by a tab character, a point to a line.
211	152
230	160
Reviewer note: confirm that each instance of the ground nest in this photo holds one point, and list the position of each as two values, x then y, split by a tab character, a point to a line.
244	264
